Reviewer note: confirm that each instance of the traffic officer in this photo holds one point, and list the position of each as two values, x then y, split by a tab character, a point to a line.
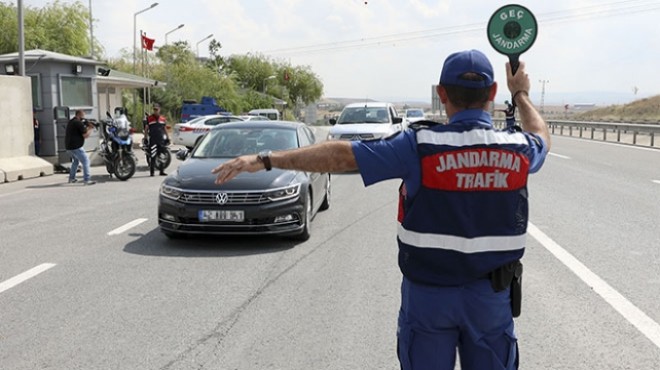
156	131
462	219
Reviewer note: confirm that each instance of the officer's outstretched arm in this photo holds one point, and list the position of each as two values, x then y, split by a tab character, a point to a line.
531	120
329	156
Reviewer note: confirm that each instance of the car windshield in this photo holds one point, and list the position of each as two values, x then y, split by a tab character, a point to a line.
414	113
232	142
351	115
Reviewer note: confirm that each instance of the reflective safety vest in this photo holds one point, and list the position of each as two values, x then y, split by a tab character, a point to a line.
470	213
156	126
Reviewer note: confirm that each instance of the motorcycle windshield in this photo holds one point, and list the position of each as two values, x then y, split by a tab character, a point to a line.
122	123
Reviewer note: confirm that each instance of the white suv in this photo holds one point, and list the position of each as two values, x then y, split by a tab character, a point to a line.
365	121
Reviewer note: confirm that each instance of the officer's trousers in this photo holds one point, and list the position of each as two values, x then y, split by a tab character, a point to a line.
435	321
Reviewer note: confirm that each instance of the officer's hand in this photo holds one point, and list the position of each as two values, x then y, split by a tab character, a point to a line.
519	81
231	169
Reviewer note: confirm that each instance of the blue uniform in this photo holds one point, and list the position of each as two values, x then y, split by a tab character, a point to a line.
463	213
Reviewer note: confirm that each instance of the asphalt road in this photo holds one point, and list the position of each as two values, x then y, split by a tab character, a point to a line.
111	292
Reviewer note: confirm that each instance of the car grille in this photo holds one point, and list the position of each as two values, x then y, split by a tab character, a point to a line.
355	137
232	197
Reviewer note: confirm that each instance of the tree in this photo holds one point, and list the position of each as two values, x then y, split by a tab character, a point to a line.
57	27
292	84
302	84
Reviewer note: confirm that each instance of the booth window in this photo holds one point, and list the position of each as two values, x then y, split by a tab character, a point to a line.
76	91
36	91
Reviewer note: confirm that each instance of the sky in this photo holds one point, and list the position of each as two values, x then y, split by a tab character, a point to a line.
587	51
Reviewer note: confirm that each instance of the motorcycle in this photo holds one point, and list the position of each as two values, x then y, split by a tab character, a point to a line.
163	159
116	146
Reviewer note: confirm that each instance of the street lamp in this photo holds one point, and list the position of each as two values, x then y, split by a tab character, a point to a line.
264	84
200	41
167	33
135	31
543	82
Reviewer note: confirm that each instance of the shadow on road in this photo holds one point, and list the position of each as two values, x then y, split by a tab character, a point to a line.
154	243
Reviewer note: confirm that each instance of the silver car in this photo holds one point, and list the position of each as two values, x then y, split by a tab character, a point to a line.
365	121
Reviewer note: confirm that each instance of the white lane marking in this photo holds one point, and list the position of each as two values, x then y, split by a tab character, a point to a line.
656	181
559	155
129	225
8	284
629	311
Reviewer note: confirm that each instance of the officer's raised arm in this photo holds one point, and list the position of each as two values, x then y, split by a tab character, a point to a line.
531	119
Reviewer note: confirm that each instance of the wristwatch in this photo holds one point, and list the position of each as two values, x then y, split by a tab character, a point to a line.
264	157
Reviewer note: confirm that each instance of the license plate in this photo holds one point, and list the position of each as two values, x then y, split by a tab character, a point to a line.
215	215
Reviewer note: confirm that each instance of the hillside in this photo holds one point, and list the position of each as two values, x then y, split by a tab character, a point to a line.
644	110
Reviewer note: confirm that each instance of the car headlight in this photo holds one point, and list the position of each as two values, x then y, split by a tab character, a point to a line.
283	193
334	136
170	192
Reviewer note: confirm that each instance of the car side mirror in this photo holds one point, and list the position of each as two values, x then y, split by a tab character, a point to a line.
182	154
333	121
397	120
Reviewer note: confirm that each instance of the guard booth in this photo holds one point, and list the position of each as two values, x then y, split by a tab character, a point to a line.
62	84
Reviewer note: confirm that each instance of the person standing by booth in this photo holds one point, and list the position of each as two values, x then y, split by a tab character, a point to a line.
156	131
77	130
37	136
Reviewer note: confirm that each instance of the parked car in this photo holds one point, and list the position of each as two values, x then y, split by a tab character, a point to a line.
414	114
271	113
276	202
189	133
369	120
254	118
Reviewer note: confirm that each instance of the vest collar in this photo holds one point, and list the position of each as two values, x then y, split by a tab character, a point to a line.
472	116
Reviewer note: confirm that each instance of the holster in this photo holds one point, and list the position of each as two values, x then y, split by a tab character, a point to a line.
509	275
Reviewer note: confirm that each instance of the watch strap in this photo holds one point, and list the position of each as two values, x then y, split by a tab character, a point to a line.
264	157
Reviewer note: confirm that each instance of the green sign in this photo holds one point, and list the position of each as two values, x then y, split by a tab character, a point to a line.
512	30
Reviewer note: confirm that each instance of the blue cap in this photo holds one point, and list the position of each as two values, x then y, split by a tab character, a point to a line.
458	64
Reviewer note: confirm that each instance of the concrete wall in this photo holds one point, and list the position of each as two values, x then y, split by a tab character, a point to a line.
17	160
16	116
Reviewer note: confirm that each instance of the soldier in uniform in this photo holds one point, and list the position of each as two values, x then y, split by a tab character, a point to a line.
462	218
156	132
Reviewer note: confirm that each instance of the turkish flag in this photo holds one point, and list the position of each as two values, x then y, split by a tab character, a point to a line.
147	43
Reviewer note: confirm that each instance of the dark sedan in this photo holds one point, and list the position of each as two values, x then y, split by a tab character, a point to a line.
276	202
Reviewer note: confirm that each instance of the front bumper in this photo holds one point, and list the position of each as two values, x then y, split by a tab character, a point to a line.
177	217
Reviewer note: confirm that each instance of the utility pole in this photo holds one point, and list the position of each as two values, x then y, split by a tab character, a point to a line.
91	31
543	82
21	39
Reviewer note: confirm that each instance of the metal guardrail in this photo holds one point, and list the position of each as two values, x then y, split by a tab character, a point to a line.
626	133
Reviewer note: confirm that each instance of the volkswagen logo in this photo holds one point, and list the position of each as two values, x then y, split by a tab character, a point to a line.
221	198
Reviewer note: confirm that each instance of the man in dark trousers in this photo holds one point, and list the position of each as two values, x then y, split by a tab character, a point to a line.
77	130
37	136
156	131
463	214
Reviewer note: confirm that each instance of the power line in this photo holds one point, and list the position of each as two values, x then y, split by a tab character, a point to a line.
570	15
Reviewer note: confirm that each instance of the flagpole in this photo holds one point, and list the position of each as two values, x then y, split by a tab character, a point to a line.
143	35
